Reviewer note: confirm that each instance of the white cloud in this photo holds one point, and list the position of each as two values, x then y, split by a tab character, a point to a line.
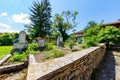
4	14
5	26
8	30
21	18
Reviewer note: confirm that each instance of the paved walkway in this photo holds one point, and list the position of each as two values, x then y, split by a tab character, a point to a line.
109	68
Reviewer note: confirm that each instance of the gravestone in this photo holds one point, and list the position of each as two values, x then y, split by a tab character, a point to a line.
22	43
34	41
41	43
22	37
60	41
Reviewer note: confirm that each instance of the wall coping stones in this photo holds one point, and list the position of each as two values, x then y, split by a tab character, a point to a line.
46	70
13	67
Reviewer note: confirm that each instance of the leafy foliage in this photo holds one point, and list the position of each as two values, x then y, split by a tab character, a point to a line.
91	32
109	35
7	38
92	29
63	23
91	41
40	17
32	46
49	46
17	57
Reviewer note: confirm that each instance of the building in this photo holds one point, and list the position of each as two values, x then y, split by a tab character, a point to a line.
116	24
79	36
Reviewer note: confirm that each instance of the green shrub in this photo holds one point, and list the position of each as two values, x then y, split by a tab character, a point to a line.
54	53
109	35
6	38
49	46
91	41
16	57
75	49
32	46
84	46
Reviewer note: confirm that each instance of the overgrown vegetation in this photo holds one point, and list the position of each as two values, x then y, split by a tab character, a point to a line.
18	57
91	34
54	53
95	34
7	38
109	35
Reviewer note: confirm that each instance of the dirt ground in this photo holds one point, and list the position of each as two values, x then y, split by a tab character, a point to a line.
20	75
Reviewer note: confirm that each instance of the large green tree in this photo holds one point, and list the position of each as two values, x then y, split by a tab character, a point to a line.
7	38
64	22
40	19
90	32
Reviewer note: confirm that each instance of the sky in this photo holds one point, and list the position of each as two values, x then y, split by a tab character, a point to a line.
14	13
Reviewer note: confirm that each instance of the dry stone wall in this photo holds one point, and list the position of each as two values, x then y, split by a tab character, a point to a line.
75	66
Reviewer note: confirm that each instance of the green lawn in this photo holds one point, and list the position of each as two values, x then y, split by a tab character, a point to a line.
4	50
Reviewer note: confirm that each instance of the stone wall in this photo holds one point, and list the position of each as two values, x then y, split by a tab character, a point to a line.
74	66
13	67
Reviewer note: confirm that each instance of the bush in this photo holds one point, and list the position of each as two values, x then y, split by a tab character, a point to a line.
91	41
54	53
49	46
84	46
17	57
32	46
6	38
109	35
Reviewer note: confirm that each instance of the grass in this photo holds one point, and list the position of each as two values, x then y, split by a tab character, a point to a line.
4	50
55	53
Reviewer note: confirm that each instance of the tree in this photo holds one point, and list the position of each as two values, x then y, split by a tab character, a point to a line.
91	32
109	35
40	19
64	22
7	38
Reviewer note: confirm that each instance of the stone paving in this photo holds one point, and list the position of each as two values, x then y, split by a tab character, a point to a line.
109	68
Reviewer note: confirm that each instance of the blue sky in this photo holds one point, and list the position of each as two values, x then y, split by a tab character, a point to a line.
14	13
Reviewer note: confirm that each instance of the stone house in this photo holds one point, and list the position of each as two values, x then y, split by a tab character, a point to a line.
79	36
116	24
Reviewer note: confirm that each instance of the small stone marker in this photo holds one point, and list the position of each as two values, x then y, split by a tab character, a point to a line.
41	43
34	41
59	41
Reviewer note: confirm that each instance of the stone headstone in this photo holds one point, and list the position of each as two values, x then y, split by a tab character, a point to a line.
22	43
41	43
83	40
34	41
59	41
22	37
